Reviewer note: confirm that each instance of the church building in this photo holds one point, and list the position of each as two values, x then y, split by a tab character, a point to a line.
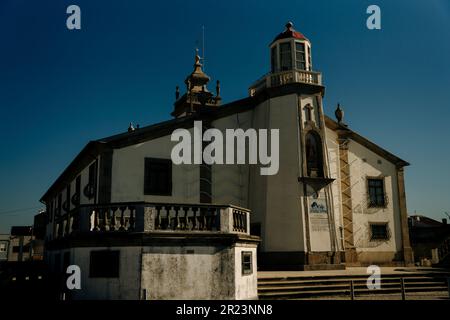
337	200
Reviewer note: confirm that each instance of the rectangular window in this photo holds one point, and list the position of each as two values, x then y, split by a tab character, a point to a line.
379	231
273	59
59	209
104	264
67	202
77	194
16	249
309	59
90	190
2	247
285	56
300	61
246	259
158	177
377	197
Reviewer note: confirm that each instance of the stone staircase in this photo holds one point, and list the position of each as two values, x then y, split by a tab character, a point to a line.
298	287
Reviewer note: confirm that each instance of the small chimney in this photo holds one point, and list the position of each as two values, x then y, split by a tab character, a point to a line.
444	221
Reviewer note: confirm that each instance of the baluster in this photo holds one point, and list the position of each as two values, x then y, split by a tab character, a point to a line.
215	222
209	218
177	219
96	228
75	222
113	219
185	224
57	229
70	223
194	219
103	219
67	227
201	214
203	218
239	220
166	221
122	218
132	220
158	218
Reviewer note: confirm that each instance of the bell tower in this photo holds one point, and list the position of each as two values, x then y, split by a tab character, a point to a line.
292	93
197	95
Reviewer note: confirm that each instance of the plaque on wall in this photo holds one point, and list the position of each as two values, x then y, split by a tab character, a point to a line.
318	203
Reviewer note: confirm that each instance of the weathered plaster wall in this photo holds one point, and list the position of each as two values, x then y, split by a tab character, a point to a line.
373	166
284	228
230	181
206	272
125	287
128	173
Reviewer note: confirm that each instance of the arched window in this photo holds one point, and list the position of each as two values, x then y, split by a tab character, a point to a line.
314	159
308	116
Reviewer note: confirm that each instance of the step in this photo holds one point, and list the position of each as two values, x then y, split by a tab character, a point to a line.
356	277
342	281
346	287
296	294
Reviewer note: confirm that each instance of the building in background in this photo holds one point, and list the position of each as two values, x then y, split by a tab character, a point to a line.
430	239
38	241
4	247
24	270
20	247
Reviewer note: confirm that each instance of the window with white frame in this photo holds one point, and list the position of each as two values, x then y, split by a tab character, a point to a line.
309	55
273	59
285	56
300	61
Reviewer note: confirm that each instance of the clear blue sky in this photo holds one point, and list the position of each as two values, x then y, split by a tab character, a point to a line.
60	88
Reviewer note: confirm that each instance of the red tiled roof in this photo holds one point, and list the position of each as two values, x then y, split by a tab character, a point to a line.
289	33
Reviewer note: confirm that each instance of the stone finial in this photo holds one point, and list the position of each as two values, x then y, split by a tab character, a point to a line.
131	127
197	57
339	113
289	25
177	93
218	88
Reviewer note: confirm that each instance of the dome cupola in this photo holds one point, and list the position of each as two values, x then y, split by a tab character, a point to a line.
290	50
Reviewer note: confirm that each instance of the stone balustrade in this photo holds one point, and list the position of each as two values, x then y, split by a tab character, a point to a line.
281	78
153	217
